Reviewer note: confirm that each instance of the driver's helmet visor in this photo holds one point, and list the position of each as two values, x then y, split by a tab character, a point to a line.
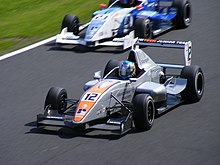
125	70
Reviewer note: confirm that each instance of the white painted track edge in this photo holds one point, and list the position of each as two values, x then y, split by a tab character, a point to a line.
14	53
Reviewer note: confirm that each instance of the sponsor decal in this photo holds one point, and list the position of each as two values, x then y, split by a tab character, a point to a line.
144	60
82	111
103	110
163	41
90	98
149	40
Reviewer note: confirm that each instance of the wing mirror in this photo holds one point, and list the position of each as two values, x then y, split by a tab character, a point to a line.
97	75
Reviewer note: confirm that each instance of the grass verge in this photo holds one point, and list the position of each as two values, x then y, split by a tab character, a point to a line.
24	22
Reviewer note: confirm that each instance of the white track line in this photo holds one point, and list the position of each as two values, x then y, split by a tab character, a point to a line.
36	45
27	48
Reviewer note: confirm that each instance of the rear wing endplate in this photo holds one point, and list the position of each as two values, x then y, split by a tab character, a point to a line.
186	45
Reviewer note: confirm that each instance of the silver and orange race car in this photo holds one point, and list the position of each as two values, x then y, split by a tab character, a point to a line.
116	104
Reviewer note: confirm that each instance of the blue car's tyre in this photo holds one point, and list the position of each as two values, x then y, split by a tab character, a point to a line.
72	23
184	13
142	28
56	99
144	112
195	83
109	66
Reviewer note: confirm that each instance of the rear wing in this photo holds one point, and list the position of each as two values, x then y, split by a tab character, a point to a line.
186	45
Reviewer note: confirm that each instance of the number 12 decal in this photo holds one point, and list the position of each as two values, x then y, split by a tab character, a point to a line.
90	97
188	53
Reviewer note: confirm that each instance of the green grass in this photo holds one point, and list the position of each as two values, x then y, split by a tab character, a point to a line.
23	22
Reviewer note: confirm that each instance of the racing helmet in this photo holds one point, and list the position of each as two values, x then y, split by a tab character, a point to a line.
127	2
127	69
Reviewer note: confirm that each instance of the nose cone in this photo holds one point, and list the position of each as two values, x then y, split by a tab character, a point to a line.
94	31
82	109
90	98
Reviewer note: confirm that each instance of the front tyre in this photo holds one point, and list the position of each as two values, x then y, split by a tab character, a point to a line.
72	23
56	99
195	83
144	112
184	13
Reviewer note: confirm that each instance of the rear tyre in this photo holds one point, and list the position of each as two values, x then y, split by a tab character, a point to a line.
142	28
72	23
144	112
184	13
109	66
56	99
195	83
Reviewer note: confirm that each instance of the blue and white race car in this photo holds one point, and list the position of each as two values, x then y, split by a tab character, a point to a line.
124	21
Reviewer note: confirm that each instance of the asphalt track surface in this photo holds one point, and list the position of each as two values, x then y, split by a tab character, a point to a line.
187	135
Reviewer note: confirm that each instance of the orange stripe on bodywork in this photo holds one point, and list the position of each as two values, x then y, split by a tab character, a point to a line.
85	104
80	115
100	87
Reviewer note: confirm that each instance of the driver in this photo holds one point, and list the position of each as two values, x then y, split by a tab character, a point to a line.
127	70
128	3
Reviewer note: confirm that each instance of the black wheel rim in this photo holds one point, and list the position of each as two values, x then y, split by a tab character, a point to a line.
148	31
199	83
76	27
187	14
62	104
150	112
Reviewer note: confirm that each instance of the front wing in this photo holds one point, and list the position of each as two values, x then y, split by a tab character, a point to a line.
117	125
69	38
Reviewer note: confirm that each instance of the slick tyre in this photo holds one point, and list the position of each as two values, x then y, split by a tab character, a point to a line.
144	112
109	66
56	99
184	13
195	83
72	23
142	28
